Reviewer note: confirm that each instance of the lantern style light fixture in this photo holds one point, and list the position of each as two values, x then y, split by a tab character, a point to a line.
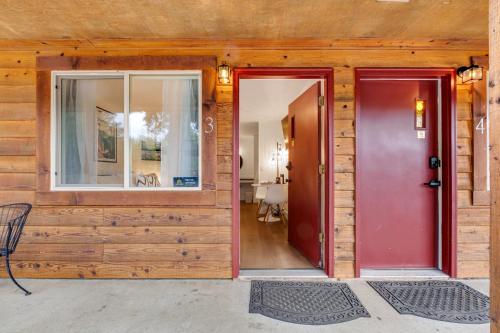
470	74
223	73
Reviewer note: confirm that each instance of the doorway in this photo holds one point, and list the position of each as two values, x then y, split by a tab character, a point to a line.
405	171
282	163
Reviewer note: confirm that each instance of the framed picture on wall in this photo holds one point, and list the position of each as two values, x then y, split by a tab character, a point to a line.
106	136
150	150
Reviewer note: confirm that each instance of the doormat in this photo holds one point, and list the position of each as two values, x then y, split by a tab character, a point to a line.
307	303
450	301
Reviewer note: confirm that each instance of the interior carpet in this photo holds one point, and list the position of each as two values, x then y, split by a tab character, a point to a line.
308	303
450	301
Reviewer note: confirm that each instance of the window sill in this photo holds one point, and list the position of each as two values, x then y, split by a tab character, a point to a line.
122	189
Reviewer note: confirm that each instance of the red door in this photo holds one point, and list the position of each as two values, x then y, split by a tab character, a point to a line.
397	212
304	117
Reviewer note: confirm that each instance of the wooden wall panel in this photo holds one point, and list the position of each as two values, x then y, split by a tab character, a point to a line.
51	269
14	196
17	94
61	235
474	252
343	110
17	77
467	269
344	216
93	270
494	119
66	216
464	163
67	252
139	253
165	216
17	147
17	181
194	242
17	111
344	146
166	235
344	251
472	221
17	164
344	163
344	269
17	129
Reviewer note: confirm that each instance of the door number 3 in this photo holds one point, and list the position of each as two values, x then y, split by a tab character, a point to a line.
210	125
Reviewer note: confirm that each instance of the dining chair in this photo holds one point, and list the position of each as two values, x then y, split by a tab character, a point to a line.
260	195
276	196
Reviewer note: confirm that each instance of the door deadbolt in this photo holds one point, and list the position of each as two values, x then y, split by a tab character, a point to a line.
434	162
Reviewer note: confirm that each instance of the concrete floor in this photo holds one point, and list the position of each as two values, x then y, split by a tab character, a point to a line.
181	306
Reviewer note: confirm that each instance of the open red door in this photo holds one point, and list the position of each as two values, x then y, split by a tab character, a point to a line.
304	200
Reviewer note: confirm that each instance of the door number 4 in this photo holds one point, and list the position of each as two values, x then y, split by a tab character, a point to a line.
481	125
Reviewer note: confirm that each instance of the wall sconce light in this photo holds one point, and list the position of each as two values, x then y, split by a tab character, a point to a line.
419	113
470	74
224	73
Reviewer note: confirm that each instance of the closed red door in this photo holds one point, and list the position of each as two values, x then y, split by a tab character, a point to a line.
397	213
304	201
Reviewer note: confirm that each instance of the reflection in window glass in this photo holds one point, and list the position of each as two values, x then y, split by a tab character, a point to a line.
90	132
164	131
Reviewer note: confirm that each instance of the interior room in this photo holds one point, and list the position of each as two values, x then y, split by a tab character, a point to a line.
91	131
163	128
264	161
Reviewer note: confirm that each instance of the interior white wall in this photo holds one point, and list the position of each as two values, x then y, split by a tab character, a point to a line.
270	133
257	145
264	103
249	149
145	103
247	170
109	96
268	99
251	129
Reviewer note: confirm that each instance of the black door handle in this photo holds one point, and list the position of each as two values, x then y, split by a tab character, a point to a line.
434	183
289	166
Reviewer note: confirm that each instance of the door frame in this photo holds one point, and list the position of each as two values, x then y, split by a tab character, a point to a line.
320	73
447	76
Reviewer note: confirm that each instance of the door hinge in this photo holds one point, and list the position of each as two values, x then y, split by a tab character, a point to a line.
321	100
321	237
321	169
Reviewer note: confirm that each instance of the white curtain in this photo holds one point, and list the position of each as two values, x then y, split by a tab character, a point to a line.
179	142
79	165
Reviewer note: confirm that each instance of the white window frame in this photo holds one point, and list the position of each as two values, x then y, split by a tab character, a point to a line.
126	76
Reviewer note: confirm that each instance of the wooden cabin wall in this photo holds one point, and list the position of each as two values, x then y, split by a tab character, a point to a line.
177	242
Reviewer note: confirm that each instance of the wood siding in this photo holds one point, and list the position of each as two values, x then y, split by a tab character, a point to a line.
187	242
494	101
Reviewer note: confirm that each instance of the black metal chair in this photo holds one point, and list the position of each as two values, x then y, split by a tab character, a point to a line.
12	220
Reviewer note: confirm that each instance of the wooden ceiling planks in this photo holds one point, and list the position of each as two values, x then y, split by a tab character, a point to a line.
233	19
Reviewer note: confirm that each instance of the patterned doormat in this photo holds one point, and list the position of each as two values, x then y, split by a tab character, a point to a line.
308	303
450	301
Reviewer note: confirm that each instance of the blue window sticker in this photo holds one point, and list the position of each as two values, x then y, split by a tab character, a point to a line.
185	181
